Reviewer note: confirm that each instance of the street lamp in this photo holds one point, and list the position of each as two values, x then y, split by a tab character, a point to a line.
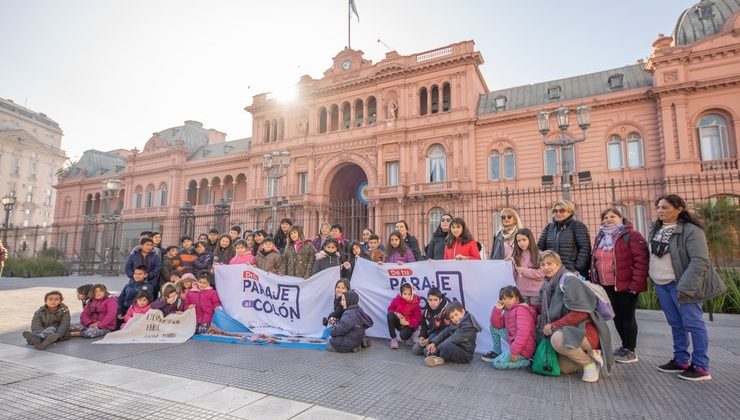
276	166
111	187
8	204
187	220
221	213
562	118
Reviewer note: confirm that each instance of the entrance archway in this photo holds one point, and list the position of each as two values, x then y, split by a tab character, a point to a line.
348	200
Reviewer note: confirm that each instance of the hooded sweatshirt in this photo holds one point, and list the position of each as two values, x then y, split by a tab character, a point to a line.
410	310
132	310
432	322
349	332
462	335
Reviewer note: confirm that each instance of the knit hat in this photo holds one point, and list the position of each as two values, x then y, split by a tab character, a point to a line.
190	276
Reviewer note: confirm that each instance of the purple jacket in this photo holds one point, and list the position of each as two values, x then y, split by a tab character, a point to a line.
168	308
102	311
205	301
394	257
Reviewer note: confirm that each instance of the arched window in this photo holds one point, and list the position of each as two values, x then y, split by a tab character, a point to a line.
713	139
281	128
193	192
436	164
346	116
509	164
228	191
616	149
205	192
322	120
359	112
635	157
89	204
334	118
372	110
266	129
149	196
435	215
435	99
163	195
446	98
614	146
553	165
494	166
423	101
138	196
273	130
96	203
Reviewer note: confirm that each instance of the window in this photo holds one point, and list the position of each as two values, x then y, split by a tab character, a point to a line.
615	153
551	160
372	110
435	99
138	195
436	164
634	151
34	168
47	200
149	197
266	130
163	195
423	101
359	112
435	215
322	120
554	92
500	103
641	221
509	164
281	128
494	166
29	194
389	228
272	185
67	207
496	219
616	81
334	118
713	139
392	173
346	116
446	98
15	165
302	182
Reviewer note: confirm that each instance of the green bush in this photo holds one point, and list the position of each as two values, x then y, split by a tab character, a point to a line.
36	267
729	302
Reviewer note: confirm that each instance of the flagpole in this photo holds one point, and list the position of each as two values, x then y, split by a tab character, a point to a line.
349	24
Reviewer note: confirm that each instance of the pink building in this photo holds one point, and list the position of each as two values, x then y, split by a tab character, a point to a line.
412	136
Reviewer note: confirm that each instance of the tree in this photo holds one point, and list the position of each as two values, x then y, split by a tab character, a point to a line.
722	218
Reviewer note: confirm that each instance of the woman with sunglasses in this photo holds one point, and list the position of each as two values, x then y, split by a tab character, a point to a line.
568	237
435	249
504	240
460	244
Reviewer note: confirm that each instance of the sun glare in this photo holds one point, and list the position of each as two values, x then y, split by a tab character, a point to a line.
285	94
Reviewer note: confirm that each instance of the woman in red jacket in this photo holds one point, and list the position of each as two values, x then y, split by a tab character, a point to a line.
460	244
619	263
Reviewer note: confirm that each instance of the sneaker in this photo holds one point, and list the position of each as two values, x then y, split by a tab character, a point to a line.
695	373
409	341
596	357
31	338
590	373
628	356
673	367
619	352
49	340
488	357
366	342
433	361
394	343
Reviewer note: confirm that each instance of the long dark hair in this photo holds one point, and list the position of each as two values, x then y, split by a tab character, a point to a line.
439	226
684	216
402	248
352	247
295	228
533	252
465	236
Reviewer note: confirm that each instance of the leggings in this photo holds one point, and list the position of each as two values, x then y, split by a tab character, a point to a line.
395	324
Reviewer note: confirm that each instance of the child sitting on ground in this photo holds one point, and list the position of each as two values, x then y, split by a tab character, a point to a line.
205	300
269	259
498	334
84	294
456	343
432	319
404	315
170	301
348	335
99	316
243	256
132	289
141	306
518	321
340	288
50	322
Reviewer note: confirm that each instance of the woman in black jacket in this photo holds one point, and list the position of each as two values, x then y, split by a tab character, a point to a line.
435	249
568	237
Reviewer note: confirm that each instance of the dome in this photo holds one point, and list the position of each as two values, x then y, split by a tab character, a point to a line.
703	20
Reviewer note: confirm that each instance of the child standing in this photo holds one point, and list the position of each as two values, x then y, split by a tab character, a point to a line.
404	315
432	319
527	274
243	254
170	302
299	255
169	264
142	306
340	288
186	255
99	316
132	289
269	258
224	251
374	252
205	300
518	319
397	251
328	257
348	335
204	262
50	322
456	342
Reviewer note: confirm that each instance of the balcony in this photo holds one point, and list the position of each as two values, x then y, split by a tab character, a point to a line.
432	188
149	212
390	191
719	165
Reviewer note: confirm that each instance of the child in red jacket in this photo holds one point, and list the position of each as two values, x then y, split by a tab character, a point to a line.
519	322
205	299
404	315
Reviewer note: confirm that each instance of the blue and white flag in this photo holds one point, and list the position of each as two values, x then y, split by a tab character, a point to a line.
353	7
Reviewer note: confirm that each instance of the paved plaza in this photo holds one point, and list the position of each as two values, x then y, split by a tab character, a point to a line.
76	379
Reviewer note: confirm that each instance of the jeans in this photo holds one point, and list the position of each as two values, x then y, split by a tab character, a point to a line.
395	324
685	320
453	353
624	304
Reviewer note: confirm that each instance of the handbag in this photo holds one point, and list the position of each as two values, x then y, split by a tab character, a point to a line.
545	360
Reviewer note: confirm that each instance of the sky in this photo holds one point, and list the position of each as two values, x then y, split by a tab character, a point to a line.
111	73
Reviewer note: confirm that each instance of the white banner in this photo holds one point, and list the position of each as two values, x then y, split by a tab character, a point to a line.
475	283
274	304
153	327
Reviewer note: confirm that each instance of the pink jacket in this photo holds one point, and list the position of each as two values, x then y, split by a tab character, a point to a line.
247	258
519	322
134	309
410	310
103	311
529	281
205	301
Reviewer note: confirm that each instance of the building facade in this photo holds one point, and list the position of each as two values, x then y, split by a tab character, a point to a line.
413	136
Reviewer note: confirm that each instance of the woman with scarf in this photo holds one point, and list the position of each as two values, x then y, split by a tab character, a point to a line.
568	237
619	263
684	278
578	333
503	241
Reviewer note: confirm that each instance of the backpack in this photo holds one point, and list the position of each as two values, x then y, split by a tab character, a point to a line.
603	303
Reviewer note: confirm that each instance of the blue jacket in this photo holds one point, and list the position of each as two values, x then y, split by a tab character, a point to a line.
350	330
203	263
152	261
130	291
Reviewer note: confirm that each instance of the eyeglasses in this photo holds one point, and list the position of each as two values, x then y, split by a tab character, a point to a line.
507	216
559	211
445	219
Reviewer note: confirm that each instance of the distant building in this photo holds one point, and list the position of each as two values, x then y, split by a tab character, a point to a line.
413	136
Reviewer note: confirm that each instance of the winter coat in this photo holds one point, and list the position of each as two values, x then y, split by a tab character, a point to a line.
129	292
529	281
519	321
169	265
269	262
498	248
338	309
247	258
152	261
169	308
435	249
347	272
281	241
186	256
394	256
299	263
211	246
43	318
223	255
326	262
103	311
462	335
203	264
132	310
318	242
205	301
571	241
349	331
469	249
431	321
410	310
413	244
630	263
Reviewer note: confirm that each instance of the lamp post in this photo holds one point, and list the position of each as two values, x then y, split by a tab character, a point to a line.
187	220
221	213
8	204
111	187
583	114
276	166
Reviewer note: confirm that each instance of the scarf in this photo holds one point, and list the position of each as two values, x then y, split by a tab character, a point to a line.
298	245
508	234
548	288
661	238
609	233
